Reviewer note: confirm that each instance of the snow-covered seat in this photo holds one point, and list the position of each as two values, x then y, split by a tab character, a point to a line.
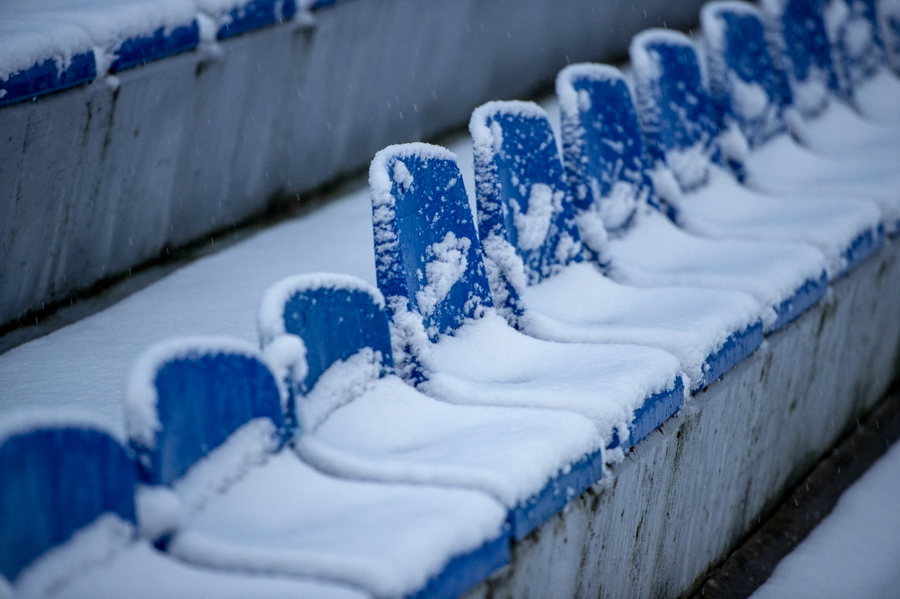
751	94
68	525
856	34
816	115
678	117
532	247
620	220
450	341
360	420
221	489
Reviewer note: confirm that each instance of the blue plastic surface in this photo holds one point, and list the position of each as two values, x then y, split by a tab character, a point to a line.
808	294
465	571
527	156
675	110
746	58
140	50
335	324
859	65
201	400
738	346
562	489
606	147
656	409
805	40
434	209
256	14
53	482
45	77
866	244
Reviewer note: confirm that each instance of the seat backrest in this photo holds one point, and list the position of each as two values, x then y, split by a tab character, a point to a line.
747	88
54	480
522	196
427	254
800	33
335	315
853	30
674	108
186	396
604	156
889	11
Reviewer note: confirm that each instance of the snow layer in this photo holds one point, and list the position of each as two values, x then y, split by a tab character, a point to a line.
877	97
103	560
580	304
854	552
286	518
32	31
725	209
811	173
655	252
486	362
392	432
838	130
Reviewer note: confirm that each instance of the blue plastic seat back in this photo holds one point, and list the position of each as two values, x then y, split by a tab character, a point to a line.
856	38
675	110
427	252
203	395
747	88
804	40
335	323
522	195
604	155
53	482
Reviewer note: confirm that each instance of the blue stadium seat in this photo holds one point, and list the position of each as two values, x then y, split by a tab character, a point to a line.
518	172
54	481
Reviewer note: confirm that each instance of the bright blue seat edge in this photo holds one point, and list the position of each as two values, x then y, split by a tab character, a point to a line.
803	298
738	346
467	570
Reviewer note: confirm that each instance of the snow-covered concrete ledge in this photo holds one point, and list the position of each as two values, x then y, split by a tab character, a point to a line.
131	162
689	493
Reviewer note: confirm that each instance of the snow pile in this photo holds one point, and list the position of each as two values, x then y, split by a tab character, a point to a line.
95	544
853	552
341	383
392	432
286	518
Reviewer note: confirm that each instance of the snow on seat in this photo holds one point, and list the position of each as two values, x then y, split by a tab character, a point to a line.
359	420
862	64
817	116
452	344
51	45
527	226
607	167
67	523
709	200
751	92
247	503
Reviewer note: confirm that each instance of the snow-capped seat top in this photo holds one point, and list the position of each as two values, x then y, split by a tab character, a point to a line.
187	396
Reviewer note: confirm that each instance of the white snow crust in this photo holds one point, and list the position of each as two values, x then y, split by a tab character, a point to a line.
342	382
95	544
138	571
725	209
392	432
286	518
877	97
445	266
655	252
581	305
486	362
811	173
